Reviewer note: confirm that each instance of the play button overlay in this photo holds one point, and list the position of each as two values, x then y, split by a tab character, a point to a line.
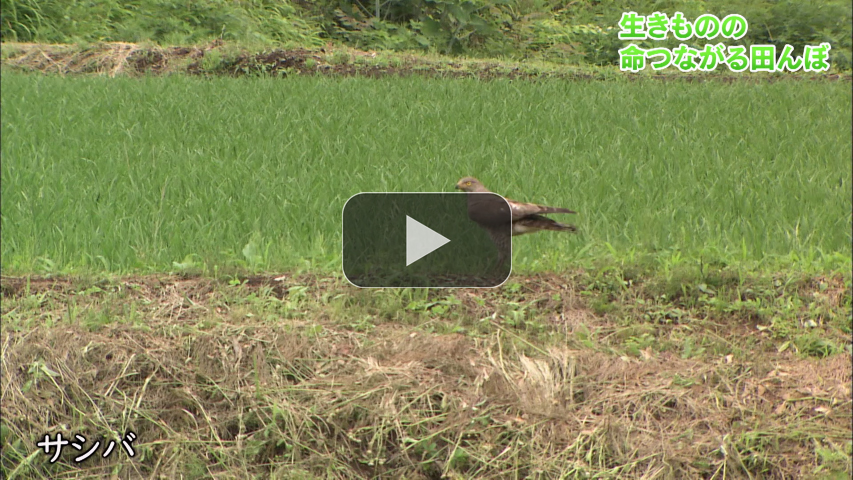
419	240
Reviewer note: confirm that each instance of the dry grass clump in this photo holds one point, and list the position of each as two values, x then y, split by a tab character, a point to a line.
213	388
111	59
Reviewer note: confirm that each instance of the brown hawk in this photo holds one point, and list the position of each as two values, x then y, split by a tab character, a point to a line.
489	212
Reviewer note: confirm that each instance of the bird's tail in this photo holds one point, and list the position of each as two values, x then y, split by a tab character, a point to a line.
561	227
538	222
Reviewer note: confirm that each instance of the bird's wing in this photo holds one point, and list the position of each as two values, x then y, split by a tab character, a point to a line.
521	210
488	209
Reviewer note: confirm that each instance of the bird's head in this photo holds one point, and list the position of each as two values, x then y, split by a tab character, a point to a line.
470	184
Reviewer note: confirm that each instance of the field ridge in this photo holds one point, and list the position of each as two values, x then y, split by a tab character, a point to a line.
219	58
304	376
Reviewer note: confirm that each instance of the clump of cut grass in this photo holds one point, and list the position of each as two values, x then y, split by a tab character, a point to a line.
258	377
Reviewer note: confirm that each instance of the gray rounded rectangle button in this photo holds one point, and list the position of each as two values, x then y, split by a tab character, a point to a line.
426	240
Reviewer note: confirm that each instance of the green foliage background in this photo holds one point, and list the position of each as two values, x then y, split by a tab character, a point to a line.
557	30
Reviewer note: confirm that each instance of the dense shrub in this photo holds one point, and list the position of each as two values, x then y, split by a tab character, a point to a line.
579	31
161	21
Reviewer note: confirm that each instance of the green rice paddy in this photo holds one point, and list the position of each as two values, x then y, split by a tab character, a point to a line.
177	172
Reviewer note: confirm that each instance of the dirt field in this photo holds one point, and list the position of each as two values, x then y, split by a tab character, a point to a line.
306	377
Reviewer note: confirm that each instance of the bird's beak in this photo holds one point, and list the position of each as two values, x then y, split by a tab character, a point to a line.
457	187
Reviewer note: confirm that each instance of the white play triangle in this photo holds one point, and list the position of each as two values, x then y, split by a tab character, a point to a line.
421	240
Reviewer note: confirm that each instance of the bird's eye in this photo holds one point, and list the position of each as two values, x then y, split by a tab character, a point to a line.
468	183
